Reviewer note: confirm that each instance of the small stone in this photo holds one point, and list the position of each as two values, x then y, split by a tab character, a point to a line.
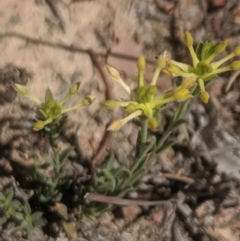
160	180
205	209
217	3
158	216
121	157
131	212
133	137
132	195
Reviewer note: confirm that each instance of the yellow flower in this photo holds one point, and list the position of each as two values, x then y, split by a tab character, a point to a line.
203	67
50	110
144	101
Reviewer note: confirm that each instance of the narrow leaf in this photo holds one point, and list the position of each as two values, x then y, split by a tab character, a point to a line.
119	172
2	197
48	95
166	145
168	132
48	160
64	154
35	216
18	216
27	208
110	162
15	204
180	112
9	196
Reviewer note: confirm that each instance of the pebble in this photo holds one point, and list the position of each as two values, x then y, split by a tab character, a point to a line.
158	216
131	212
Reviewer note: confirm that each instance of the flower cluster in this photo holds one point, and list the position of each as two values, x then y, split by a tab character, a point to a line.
202	66
51	110
144	102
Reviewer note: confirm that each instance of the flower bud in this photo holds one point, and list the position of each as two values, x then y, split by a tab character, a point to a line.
221	47
236	51
235	65
116	125
39	125
147	112
182	94
20	88
114	73
204	96
109	104
152	89
141	63
162	59
141	92
73	90
153	123
188	82
188	39
131	107
88	100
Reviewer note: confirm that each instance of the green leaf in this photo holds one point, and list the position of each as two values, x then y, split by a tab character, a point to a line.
204	50
35	216
43	199
140	158
15	204
113	184
61	123
48	95
168	132
18	216
108	175
2	197
38	220
176	124
180	112
28	226
27	208
9	196
16	228
110	163
166	145
3	220
49	160
64	154
101	180
120	171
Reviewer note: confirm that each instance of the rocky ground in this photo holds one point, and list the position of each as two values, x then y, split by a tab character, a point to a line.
56	43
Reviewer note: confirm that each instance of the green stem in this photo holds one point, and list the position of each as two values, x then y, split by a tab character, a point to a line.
144	129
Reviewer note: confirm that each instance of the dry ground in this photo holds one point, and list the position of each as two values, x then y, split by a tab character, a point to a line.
54	45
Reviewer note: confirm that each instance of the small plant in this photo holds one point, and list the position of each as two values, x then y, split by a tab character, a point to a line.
21	216
146	104
47	176
110	184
